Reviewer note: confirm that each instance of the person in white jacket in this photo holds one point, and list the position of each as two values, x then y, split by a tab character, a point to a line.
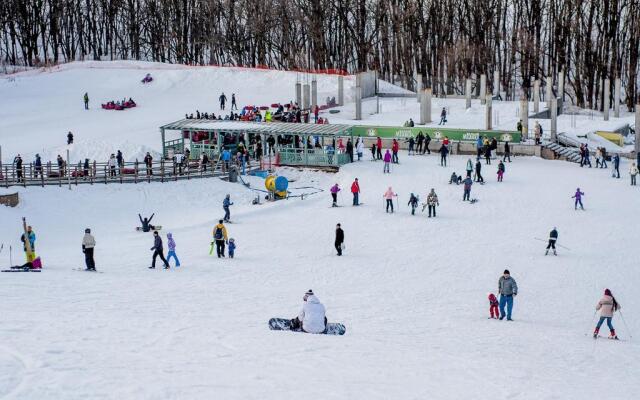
88	244
311	318
360	148
633	171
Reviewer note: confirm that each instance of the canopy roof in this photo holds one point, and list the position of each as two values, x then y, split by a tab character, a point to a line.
270	128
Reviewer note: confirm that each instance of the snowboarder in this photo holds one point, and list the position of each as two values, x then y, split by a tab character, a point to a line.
225	205
86	101
171	244
146	223
467	189
219	237
232	247
387	161
223	100
607	306
334	195
413	202
388	196
88	244
443	155
443	117
553	237
312	318
479	177
69	138
507	152
432	202
508	289
633	171
500	171
158	251
355	190
233	102
339	242
578	197
493	306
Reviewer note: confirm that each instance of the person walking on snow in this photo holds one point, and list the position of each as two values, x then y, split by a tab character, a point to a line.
232	247
394	149
158	251
413	202
339	242
443	117
507	152
615	172
508	289
500	171
334	195
633	171
467	189
469	167
607	306
223	100
387	161
88	244
69	138
493	306
350	150
312	318
479	177
171	244
432	202
553	237
412	143
444	150
578	197
360	148
233	102
379	148
86	101
225	205
427	140
219	239
355	190
388	196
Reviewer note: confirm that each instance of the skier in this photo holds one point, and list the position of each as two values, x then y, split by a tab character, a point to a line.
500	171
355	190
479	177
508	289
339	242
443	117
467	188
334	195
388	195
225	205
578	197
394	149
387	160
507	152
171	244
223	100
86	101
607	306
553	237
633	171
146	223
432	202
443	155
413	202
615	172
69	138
493	306
158	251
469	167
232	247
219	237
233	102
360	148
88	244
311	318
379	148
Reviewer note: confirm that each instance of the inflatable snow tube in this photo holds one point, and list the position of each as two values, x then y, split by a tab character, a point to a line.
281	184
277	184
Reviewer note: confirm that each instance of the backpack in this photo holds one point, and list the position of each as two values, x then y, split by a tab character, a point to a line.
218	234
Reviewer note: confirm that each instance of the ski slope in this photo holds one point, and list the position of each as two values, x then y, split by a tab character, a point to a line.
411	291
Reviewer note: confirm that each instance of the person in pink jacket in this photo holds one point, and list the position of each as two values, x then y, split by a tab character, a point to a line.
607	306
387	160
389	195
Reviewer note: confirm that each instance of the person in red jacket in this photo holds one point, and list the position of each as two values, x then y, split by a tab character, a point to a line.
394	149
493	306
355	190
379	148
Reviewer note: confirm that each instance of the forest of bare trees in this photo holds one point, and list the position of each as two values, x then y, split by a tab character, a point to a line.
444	41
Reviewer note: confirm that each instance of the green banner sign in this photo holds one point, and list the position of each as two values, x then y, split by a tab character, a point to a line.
469	135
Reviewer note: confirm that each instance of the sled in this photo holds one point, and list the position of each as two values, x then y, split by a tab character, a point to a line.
155	228
282	324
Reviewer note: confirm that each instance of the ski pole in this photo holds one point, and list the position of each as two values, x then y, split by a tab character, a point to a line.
10	256
625	325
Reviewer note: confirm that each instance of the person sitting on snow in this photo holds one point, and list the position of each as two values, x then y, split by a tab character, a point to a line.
455	179
312	317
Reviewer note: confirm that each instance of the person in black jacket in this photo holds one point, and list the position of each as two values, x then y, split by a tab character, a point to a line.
479	177
158	251
427	140
38	164
443	155
507	152
18	162
350	150
146	223
487	154
339	239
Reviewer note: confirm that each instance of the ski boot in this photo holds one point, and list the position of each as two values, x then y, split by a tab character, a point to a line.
554	252
595	333
612	335
546	253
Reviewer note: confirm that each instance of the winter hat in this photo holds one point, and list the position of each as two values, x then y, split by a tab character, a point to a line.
607	292
87	230
220	221
306	295
231	240
169	234
506	272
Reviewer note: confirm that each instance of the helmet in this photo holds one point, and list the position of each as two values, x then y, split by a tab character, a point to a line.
87	230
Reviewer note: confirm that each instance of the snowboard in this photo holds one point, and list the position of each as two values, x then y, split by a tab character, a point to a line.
82	269
155	228
21	270
473	201
282	324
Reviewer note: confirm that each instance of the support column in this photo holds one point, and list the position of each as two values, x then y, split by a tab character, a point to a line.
524	116
560	95
637	134
488	111
548	85
483	89
616	99
418	78
536	96
425	106
306	96
467	93
340	90
428	93
496	83
606	100
314	93
358	98
554	120
299	93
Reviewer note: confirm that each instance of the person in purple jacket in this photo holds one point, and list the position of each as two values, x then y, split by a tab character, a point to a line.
387	161
172	249
578	197
334	194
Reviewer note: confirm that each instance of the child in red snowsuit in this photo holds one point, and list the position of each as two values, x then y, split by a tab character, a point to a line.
493	306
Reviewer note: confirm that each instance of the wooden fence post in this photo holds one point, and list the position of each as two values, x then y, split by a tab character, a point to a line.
135	175
162	170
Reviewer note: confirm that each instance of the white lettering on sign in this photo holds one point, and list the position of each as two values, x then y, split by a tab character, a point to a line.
404	133
470	136
506	137
372	132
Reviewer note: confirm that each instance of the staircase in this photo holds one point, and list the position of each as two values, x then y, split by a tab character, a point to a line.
566	148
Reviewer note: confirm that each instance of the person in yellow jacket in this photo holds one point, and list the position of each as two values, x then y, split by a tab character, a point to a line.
219	239
267	116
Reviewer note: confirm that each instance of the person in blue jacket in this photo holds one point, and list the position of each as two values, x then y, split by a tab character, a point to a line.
225	204
479	147
226	157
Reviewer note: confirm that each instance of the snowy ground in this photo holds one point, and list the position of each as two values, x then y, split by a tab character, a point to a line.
410	290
